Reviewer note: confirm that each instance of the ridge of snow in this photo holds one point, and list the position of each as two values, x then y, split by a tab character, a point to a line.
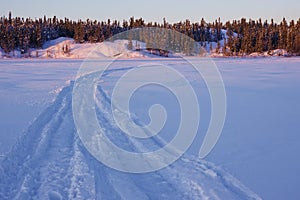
58	41
92	50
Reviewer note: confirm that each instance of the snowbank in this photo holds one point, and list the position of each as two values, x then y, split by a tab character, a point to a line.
57	49
67	48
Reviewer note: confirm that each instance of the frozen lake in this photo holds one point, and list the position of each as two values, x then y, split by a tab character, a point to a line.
259	144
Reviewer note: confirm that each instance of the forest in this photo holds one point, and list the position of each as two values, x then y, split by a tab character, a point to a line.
242	37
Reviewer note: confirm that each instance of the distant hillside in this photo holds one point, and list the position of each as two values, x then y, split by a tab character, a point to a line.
67	48
236	38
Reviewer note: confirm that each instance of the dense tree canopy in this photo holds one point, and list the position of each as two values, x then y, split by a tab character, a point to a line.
243	36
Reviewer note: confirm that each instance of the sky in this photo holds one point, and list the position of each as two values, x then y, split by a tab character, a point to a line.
154	10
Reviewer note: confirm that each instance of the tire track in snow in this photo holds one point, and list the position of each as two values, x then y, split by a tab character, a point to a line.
50	162
181	179
190	183
166	189
17	165
46	162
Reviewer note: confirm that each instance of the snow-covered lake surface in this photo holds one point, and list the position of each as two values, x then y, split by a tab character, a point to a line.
256	155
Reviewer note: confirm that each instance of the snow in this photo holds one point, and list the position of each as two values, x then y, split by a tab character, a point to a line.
256	156
104	50
117	49
27	86
50	161
54	49
58	41
263	122
276	52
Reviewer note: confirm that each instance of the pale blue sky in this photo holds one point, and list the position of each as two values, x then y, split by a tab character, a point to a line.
154	10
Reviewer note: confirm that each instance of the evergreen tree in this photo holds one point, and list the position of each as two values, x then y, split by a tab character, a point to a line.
297	45
218	47
130	45
243	37
224	48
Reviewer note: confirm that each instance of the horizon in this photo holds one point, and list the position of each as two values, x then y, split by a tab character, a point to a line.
190	9
152	21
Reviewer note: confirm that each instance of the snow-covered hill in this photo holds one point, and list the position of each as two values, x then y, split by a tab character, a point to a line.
57	49
117	49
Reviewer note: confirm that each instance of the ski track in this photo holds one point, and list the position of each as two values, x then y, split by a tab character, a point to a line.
50	162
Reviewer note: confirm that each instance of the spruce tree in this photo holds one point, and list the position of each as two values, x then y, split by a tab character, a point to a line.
130	45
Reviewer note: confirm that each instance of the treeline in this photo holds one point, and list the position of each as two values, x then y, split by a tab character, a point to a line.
243	37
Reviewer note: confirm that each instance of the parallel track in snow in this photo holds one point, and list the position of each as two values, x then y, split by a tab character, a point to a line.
50	162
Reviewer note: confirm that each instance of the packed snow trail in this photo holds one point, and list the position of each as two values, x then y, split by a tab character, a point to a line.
50	162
